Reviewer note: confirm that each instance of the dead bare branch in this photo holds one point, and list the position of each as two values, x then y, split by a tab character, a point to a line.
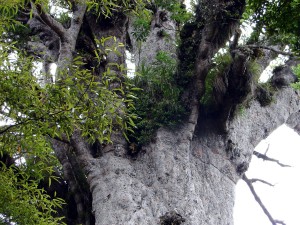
267	149
262	181
265	157
258	200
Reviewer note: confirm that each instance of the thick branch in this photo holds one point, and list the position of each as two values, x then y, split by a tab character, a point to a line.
258	200
258	121
56	26
77	19
68	44
271	49
214	36
62	152
294	122
265	157
82	151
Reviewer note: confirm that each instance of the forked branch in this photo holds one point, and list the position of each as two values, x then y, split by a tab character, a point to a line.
265	157
258	200
261	181
56	26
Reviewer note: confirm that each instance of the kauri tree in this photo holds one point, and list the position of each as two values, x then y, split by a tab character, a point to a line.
89	144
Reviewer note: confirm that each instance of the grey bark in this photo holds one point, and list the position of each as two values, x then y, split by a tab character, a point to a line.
162	37
170	175
195	179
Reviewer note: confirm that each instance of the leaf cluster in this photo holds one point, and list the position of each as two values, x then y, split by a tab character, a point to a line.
141	26
78	102
221	63
278	20
107	8
36	113
296	70
9	11
159	101
23	202
177	9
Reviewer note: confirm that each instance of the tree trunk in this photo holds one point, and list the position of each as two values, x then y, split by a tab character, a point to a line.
188	174
177	180
172	179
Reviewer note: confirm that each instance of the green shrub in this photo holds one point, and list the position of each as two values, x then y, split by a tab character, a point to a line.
296	70
159	101
221	61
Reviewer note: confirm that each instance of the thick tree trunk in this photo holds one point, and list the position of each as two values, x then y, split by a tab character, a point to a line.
172	179
176	179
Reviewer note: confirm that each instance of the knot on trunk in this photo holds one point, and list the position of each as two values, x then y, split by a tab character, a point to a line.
283	76
171	218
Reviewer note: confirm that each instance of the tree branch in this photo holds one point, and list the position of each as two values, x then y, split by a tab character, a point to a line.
82	151
265	157
7	128
214	36
77	19
271	49
62	152
258	121
68	44
56	26
258	200
260	180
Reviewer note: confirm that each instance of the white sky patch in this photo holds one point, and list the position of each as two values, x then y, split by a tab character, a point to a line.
247	29
188	5
19	160
267	73
37	70
53	68
57	11
280	60
3	119
130	64
282	201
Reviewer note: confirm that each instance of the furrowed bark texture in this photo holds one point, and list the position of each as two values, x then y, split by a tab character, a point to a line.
169	176
175	179
194	179
162	37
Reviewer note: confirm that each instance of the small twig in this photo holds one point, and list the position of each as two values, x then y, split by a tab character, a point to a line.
271	49
267	149
258	200
265	157
262	181
8	127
